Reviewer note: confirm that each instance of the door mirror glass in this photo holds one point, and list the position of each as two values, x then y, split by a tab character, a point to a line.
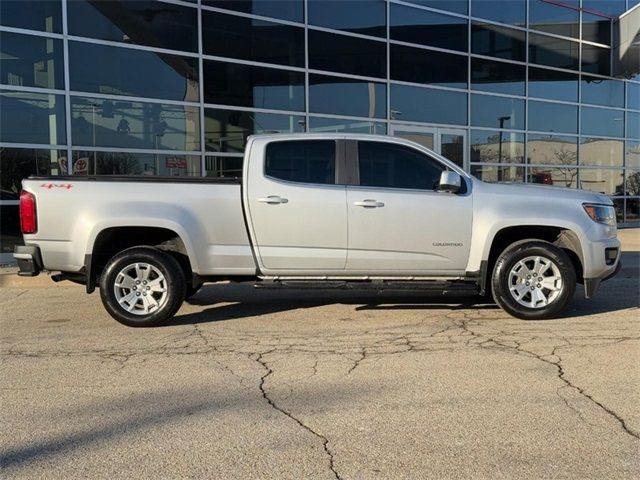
450	181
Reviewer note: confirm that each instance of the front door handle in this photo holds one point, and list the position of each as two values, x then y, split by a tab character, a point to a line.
369	204
273	200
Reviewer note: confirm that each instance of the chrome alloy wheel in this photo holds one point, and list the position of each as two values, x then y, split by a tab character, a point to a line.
140	288
535	282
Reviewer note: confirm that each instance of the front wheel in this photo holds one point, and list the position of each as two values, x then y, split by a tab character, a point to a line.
533	280
142	287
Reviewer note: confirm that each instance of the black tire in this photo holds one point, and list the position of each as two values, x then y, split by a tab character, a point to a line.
521	251
159	267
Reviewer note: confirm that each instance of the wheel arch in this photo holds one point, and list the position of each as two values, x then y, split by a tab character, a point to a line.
110	240
563	238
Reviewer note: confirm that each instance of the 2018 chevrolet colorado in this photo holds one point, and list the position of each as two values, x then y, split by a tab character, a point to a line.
319	210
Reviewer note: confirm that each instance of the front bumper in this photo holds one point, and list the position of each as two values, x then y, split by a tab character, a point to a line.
591	285
29	260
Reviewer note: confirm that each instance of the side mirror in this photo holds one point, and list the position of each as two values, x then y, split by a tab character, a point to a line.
450	181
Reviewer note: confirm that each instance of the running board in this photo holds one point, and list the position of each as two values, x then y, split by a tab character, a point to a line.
457	287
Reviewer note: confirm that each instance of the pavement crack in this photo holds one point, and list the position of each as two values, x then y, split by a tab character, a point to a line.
268	371
562	376
488	341
356	363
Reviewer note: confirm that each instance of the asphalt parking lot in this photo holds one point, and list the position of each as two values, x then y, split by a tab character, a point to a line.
273	384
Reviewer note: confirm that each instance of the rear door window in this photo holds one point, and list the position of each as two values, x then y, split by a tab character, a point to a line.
390	165
304	161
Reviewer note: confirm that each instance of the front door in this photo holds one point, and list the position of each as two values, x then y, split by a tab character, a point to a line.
398	223
451	143
298	213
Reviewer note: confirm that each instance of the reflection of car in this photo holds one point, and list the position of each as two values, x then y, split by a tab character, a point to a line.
541	177
318	211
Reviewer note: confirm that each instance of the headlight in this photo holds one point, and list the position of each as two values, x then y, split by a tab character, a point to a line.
601	213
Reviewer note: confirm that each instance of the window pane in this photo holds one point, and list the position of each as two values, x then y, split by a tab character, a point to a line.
607	182
596	29
632	182
306	161
553	84
428	105
554	52
248	86
632	154
367	17
124	71
550	18
339	125
494	173
497	112
30	61
343	96
227	130
608	7
426	66
558	176
135	21
598	91
596	59
223	167
339	53
602	122
633	95
17	164
285	9
32	118
457	6
601	152
633	210
395	166
126	163
45	15
500	42
252	39
428	28
633	125
492	146
505	11
552	150
553	117
498	77
108	123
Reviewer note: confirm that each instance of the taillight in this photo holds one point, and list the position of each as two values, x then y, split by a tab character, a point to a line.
28	217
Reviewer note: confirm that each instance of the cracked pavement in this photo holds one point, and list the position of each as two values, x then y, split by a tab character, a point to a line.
251	383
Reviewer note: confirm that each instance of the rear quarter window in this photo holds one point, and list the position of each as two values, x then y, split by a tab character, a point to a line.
304	161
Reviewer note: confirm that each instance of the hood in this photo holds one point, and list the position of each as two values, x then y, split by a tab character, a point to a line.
546	191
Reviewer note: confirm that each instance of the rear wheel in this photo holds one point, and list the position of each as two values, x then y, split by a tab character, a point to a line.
142	287
533	280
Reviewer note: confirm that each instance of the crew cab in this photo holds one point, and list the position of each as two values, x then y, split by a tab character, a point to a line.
319	211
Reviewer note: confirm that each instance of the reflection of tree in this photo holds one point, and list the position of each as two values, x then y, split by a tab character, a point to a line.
565	155
117	163
633	184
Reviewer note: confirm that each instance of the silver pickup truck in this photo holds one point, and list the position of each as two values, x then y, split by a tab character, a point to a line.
319	211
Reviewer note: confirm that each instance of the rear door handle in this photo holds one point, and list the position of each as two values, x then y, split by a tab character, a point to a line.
369	204
273	199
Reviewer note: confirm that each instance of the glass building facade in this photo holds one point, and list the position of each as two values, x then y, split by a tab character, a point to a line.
512	90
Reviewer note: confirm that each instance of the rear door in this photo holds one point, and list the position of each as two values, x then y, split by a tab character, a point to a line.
298	212
398	223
